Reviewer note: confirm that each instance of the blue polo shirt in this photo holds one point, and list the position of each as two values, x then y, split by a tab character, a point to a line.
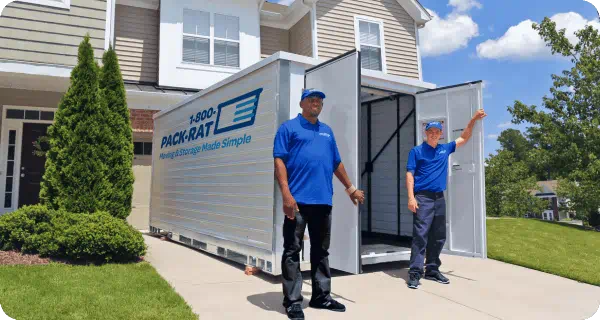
311	156
429	166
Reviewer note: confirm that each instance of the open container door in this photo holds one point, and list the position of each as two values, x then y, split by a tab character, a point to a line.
339	79
465	195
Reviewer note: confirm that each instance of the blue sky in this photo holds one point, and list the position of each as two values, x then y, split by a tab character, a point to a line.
492	40
515	64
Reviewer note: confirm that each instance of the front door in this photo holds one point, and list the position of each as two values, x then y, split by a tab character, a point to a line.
32	165
339	79
465	207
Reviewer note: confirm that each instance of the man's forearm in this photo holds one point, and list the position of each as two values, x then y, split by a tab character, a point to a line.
341	174
466	135
281	175
410	183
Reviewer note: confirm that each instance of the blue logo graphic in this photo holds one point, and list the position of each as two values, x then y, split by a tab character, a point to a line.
238	113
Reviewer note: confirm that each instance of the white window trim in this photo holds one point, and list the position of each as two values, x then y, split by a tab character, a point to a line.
211	42
63	4
357	19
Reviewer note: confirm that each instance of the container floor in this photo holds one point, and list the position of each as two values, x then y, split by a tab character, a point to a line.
376	249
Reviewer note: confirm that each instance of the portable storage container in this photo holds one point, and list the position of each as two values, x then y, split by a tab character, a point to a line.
213	181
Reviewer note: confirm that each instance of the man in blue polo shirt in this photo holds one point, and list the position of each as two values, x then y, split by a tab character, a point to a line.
306	157
426	176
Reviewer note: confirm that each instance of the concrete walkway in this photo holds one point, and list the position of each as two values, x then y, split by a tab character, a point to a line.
479	289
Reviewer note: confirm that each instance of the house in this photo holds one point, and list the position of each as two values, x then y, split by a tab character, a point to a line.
169	50
556	208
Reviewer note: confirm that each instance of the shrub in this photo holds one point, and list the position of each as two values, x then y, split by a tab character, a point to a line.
97	237
101	237
17	228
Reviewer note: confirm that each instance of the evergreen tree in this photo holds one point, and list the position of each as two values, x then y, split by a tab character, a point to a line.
120	162
75	178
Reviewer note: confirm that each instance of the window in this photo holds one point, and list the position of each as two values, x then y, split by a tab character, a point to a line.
10	169
369	40
29	114
64	4
142	148
203	44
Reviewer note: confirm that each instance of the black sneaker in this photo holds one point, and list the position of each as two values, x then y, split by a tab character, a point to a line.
328	305
295	312
437	276
413	281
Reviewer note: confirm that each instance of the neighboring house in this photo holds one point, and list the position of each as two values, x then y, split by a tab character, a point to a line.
556	208
168	50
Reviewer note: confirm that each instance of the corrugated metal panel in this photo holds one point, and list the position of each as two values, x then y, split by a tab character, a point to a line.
44	34
407	142
384	190
273	40
335	27
301	37
226	193
136	42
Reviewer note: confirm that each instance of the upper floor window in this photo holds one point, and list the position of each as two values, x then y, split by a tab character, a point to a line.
369	40
216	43
64	4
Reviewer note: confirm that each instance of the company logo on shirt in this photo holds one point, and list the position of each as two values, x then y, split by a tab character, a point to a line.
443	151
325	134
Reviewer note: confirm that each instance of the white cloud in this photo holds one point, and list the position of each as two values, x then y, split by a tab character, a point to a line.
445	35
465	5
522	42
505	125
492	136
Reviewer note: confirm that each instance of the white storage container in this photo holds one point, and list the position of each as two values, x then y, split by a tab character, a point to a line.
213	183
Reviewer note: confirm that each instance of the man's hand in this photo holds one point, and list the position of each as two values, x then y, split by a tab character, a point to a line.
466	135
479	114
413	205
359	196
290	207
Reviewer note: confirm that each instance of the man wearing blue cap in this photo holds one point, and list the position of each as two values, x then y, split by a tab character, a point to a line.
306	157
427	170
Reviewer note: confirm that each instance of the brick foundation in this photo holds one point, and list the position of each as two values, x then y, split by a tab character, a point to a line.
141	120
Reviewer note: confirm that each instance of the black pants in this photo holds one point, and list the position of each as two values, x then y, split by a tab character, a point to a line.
318	218
429	232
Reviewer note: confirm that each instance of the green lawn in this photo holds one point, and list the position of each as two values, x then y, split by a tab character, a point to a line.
114	291
563	250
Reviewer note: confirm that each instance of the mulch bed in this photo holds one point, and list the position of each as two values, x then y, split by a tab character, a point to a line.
15	257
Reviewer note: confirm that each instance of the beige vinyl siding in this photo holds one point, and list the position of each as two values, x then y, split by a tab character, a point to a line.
136	42
42	34
273	40
336	34
301	37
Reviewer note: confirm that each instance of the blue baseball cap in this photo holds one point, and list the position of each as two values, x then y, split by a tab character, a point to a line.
434	124
312	92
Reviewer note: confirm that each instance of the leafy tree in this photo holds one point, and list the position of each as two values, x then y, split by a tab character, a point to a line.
508	183
514	141
75	178
121	144
567	133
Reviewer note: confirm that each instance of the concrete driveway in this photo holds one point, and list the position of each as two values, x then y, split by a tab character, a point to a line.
479	289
